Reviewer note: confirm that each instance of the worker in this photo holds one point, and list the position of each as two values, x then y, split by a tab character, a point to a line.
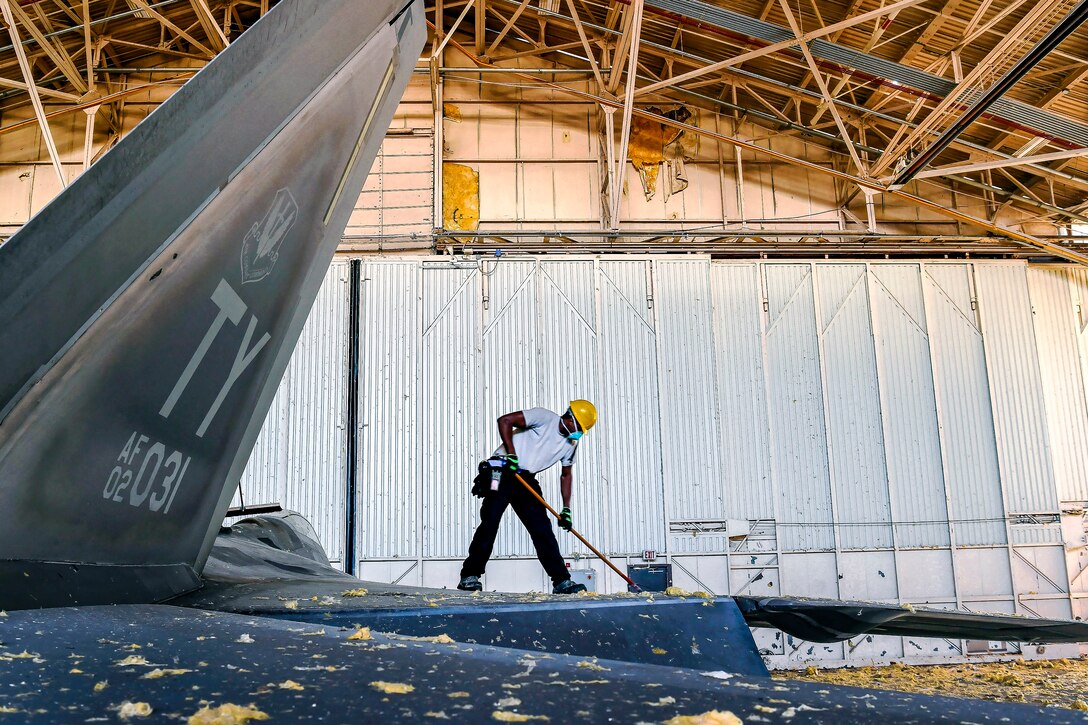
533	440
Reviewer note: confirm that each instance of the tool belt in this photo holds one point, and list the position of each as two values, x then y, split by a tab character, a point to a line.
481	485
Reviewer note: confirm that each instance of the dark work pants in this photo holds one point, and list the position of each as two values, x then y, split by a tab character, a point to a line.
532	514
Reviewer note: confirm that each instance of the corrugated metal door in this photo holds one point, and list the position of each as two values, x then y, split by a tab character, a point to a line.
694	497
452	437
1058	320
912	443
628	438
300	458
1016	390
796	410
963	405
389	410
859	476
566	346
509	363
744	444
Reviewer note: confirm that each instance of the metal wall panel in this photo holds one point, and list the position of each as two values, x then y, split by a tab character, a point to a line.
300	459
389	399
688	399
398	198
453	436
912	443
859	476
628	437
963	405
738	355
1023	444
795	400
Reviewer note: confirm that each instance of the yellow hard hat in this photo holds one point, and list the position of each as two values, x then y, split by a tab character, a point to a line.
585	413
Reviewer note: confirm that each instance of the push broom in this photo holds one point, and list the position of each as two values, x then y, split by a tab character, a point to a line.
581	538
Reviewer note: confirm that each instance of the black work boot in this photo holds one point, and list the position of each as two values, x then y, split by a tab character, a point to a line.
470	584
568	586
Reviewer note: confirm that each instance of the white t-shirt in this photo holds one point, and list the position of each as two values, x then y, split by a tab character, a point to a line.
540	446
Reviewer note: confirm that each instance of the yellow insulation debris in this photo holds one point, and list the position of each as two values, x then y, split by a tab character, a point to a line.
1060	682
361	634
226	714
157	673
503	716
133	709
712	717
451	112
392	688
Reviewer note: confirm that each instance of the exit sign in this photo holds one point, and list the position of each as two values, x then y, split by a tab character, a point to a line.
649	555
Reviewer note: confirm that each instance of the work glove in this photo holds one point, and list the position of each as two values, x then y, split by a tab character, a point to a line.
565	519
512	463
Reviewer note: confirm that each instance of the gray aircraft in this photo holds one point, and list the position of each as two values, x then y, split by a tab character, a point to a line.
146	317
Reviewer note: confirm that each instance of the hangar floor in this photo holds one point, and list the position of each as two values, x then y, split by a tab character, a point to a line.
1061	683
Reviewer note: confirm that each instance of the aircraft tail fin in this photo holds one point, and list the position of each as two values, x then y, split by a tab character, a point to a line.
148	313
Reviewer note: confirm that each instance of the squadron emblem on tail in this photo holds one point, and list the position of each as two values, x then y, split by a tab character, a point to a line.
260	248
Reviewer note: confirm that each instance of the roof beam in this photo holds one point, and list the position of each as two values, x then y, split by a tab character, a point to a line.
969	85
506	28
1065	27
211	27
39	111
58	56
1026	239
782	45
636	11
1000	163
585	43
818	77
166	23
